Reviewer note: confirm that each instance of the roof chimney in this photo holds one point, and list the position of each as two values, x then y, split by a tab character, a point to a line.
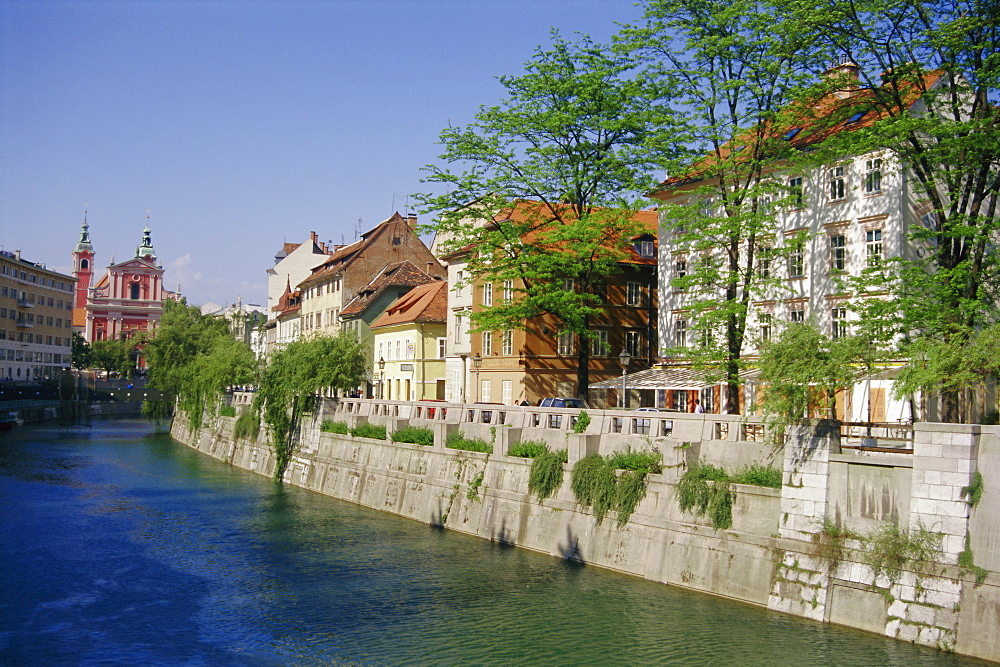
846	74
411	220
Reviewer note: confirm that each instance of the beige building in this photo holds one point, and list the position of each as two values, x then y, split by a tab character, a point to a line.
36	319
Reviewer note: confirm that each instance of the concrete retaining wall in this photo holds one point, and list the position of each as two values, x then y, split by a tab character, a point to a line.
775	554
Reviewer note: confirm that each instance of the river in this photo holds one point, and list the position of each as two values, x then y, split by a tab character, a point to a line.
121	546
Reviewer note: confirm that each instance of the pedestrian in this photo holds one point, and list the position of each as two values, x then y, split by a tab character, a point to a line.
697	407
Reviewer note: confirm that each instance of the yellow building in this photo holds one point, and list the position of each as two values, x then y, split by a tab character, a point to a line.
409	345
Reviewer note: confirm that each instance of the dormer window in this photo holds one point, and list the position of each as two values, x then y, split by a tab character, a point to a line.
855	118
791	134
645	246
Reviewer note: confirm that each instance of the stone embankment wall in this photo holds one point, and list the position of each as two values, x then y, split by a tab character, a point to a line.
777	554
31	411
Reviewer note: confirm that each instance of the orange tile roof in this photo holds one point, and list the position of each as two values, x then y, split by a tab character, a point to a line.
424	303
399	274
808	126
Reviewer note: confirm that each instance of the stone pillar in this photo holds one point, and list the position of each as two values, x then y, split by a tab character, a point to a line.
441	432
506	436
580	445
808	445
944	460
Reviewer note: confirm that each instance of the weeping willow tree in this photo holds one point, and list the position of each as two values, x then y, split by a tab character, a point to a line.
193	359
294	375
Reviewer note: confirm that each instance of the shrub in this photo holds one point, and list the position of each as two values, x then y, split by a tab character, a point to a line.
330	426
593	483
640	461
227	410
695	494
974	492
417	435
247	425
546	474
458	441
629	492
582	422
369	431
528	449
759	475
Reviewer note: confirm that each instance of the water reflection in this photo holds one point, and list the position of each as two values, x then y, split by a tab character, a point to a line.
124	547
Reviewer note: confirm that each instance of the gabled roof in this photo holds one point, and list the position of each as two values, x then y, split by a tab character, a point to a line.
805	125
400	274
395	227
289	302
424	303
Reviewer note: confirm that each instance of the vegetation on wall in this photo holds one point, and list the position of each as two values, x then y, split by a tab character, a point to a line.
330	426
527	449
458	441
366	430
416	435
546	475
695	493
889	549
597	484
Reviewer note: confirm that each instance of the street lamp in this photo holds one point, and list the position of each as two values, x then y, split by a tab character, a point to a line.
477	361
465	376
624	359
381	377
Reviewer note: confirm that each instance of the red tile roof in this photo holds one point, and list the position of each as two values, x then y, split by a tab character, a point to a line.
400	274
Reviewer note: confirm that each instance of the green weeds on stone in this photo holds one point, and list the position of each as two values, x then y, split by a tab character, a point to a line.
330	426
247	425
416	435
227	410
458	441
889	549
596	484
528	449
582	422
546	474
974	492
366	430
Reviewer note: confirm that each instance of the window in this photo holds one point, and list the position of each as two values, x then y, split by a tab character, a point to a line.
645	248
680	269
764	262
459	284
873	247
508	291
399	349
765	320
409	348
633	342
459	328
487	343
484	392
705	207
873	176
791	134
507	343
442	348
134	291
797	314
633	294
839	321
680	333
680	400
569	285
838	253
565	343
507	392
708	399
796	260
599	343
487	294
837	183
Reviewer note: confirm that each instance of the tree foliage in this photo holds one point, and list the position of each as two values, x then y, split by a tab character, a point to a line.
81	352
113	355
194	358
545	186
295	374
930	71
731	72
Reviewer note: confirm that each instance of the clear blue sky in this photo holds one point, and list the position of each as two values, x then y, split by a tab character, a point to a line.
240	124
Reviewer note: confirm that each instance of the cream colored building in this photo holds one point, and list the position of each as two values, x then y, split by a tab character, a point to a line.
409	345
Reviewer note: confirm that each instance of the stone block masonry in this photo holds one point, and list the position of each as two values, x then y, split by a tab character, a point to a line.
776	554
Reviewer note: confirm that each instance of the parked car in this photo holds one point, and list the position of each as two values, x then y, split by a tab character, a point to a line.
562	403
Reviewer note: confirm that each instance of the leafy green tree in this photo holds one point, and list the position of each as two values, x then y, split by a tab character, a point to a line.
295	374
194	358
113	355
81	352
801	370
732	73
547	184
930	71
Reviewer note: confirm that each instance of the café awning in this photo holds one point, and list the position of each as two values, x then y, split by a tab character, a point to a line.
667	377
